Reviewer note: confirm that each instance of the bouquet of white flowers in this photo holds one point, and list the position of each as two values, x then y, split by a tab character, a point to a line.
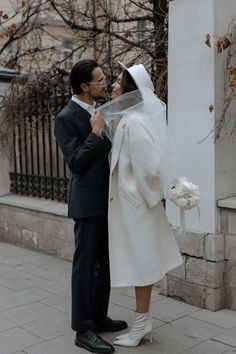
185	195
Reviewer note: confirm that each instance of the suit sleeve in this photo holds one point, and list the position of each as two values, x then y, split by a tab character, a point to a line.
78	154
146	161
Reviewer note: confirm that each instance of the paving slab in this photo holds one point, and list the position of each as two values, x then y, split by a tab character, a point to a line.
210	347
223	318
10	299
228	337
15	339
21	315
197	328
59	302
45	271
24	280
5	270
35	313
170	309
48	329
188	331
61	345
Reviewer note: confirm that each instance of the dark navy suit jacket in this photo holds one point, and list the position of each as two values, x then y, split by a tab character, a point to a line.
86	155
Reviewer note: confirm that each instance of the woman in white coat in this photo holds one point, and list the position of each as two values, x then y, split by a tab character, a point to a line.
141	245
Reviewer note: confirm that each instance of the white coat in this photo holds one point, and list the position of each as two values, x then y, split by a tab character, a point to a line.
141	245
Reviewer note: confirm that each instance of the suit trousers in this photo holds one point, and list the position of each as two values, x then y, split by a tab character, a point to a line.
90	273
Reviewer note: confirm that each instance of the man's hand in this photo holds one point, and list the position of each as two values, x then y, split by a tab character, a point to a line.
97	123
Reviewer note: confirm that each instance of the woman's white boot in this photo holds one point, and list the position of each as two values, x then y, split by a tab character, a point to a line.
142	327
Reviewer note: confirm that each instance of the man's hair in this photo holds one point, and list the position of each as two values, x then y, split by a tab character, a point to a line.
127	82
81	73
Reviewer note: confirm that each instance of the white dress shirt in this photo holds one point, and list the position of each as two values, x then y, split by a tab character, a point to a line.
88	107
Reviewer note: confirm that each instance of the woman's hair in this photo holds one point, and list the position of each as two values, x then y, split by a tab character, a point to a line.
81	73
127	82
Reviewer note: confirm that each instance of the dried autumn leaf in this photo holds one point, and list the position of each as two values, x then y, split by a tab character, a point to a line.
211	108
219	46
233	82
208	40
223	43
226	41
232	70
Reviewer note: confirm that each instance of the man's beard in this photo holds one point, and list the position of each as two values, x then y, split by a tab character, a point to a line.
100	98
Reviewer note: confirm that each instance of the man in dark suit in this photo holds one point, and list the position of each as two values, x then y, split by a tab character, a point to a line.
86	150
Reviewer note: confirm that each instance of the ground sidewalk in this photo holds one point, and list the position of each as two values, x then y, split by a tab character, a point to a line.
35	313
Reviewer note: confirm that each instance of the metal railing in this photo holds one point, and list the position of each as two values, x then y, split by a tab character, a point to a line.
39	167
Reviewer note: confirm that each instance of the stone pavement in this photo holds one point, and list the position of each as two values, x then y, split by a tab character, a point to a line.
35	313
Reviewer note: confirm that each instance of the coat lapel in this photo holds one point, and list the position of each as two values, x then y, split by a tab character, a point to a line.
118	137
79	111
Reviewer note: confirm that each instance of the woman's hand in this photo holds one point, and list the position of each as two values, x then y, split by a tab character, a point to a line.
97	123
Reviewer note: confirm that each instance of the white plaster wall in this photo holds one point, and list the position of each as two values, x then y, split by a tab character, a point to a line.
191	91
225	150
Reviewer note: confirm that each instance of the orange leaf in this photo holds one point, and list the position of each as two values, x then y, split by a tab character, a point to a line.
223	43
219	47
226	41
233	82
232	70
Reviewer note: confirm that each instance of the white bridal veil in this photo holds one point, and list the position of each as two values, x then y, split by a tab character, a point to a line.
145	104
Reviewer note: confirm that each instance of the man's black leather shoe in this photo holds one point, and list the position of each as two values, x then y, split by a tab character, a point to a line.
93	343
108	325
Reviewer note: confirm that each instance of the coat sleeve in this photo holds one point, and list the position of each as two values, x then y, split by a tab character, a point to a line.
146	161
77	153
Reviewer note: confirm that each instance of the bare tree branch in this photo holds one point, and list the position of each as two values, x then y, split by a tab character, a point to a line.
97	30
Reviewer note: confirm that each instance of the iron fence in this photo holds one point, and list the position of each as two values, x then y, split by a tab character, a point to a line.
39	168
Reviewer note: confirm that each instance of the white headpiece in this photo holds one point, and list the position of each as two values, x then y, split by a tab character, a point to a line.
140	76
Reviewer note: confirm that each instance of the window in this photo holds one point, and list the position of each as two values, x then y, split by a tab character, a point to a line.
68	48
142	30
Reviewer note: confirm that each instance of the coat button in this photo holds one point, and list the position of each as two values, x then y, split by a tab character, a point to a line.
111	199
